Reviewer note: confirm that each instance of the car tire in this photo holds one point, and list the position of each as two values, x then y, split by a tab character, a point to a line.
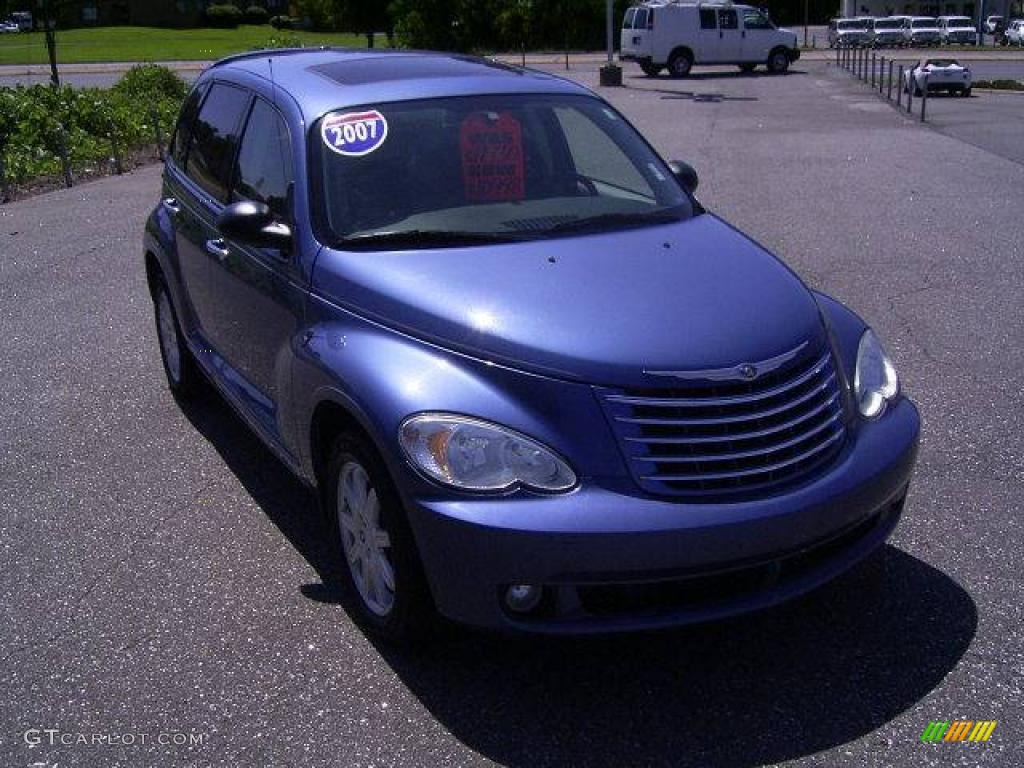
747	68
180	367
680	63
384	588
966	93
778	62
650	69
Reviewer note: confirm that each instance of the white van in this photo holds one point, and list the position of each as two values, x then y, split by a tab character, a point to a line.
678	35
957	29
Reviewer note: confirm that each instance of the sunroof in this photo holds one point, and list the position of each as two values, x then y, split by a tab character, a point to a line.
375	69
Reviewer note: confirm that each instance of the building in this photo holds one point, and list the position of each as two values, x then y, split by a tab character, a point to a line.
970	8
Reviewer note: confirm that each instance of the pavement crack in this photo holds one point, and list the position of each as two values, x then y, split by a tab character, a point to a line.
102	576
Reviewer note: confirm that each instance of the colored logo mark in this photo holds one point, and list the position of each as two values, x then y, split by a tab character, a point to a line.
959	730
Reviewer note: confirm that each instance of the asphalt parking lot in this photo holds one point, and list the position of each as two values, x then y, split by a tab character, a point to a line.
162	574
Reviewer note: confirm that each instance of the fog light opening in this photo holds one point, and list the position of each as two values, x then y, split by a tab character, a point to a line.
523	598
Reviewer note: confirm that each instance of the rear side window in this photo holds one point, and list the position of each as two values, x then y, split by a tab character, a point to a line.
214	139
264	169
707	18
183	130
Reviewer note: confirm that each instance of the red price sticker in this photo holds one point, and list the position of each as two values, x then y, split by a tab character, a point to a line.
492	157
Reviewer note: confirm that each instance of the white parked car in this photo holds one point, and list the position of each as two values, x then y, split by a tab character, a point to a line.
8	27
922	30
887	32
992	23
678	36
847	33
957	29
939	75
1015	32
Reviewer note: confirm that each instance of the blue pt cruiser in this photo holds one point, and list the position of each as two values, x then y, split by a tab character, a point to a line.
534	383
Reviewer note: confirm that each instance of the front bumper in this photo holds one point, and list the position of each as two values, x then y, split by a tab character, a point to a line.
794	54
616	562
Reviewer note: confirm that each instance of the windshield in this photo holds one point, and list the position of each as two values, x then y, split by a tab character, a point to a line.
504	167
888	24
924	23
852	24
959	21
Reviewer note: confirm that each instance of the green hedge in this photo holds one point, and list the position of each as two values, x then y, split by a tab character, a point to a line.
224	15
91	124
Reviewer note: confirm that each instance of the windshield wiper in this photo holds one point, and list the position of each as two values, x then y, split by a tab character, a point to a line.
607	220
420	237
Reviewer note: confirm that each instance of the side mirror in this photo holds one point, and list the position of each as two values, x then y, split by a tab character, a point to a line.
253	224
685	175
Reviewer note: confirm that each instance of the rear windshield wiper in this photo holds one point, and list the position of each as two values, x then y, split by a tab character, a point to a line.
427	237
610	220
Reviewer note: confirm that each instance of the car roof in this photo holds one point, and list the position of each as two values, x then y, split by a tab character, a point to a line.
324	79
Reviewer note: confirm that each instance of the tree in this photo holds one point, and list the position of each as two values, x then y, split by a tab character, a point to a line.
365	18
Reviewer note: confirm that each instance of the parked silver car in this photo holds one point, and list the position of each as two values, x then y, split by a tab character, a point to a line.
887	32
845	33
957	29
938	75
922	30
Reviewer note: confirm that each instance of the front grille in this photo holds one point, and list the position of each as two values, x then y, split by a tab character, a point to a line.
720	439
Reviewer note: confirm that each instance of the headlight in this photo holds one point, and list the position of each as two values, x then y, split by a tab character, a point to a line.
478	456
875	381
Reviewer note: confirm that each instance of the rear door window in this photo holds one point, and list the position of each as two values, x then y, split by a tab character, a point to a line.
183	130
214	139
728	19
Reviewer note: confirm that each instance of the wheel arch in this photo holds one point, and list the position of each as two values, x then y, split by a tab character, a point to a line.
680	50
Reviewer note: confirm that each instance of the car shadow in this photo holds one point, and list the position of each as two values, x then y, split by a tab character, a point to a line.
791	681
735	74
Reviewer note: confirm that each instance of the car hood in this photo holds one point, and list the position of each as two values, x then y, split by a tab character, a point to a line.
604	308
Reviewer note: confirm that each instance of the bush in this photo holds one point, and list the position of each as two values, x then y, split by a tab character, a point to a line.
282	22
151	81
256	14
91	124
281	41
226	15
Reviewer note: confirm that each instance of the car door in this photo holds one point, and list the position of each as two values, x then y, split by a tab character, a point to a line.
197	191
260	290
707	36
758	35
730	36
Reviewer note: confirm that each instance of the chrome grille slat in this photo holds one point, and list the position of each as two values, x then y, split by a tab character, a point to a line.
713	438
697	422
734	436
709	457
755	471
724	401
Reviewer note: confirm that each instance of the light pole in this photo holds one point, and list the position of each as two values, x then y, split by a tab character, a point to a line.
806	20
611	73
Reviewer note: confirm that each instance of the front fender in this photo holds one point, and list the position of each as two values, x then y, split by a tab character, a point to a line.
381	377
845	326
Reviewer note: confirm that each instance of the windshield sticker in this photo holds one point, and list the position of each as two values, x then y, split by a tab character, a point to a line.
492	157
354	134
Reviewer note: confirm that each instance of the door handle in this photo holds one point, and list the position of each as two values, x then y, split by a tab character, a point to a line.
218	248
171	204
